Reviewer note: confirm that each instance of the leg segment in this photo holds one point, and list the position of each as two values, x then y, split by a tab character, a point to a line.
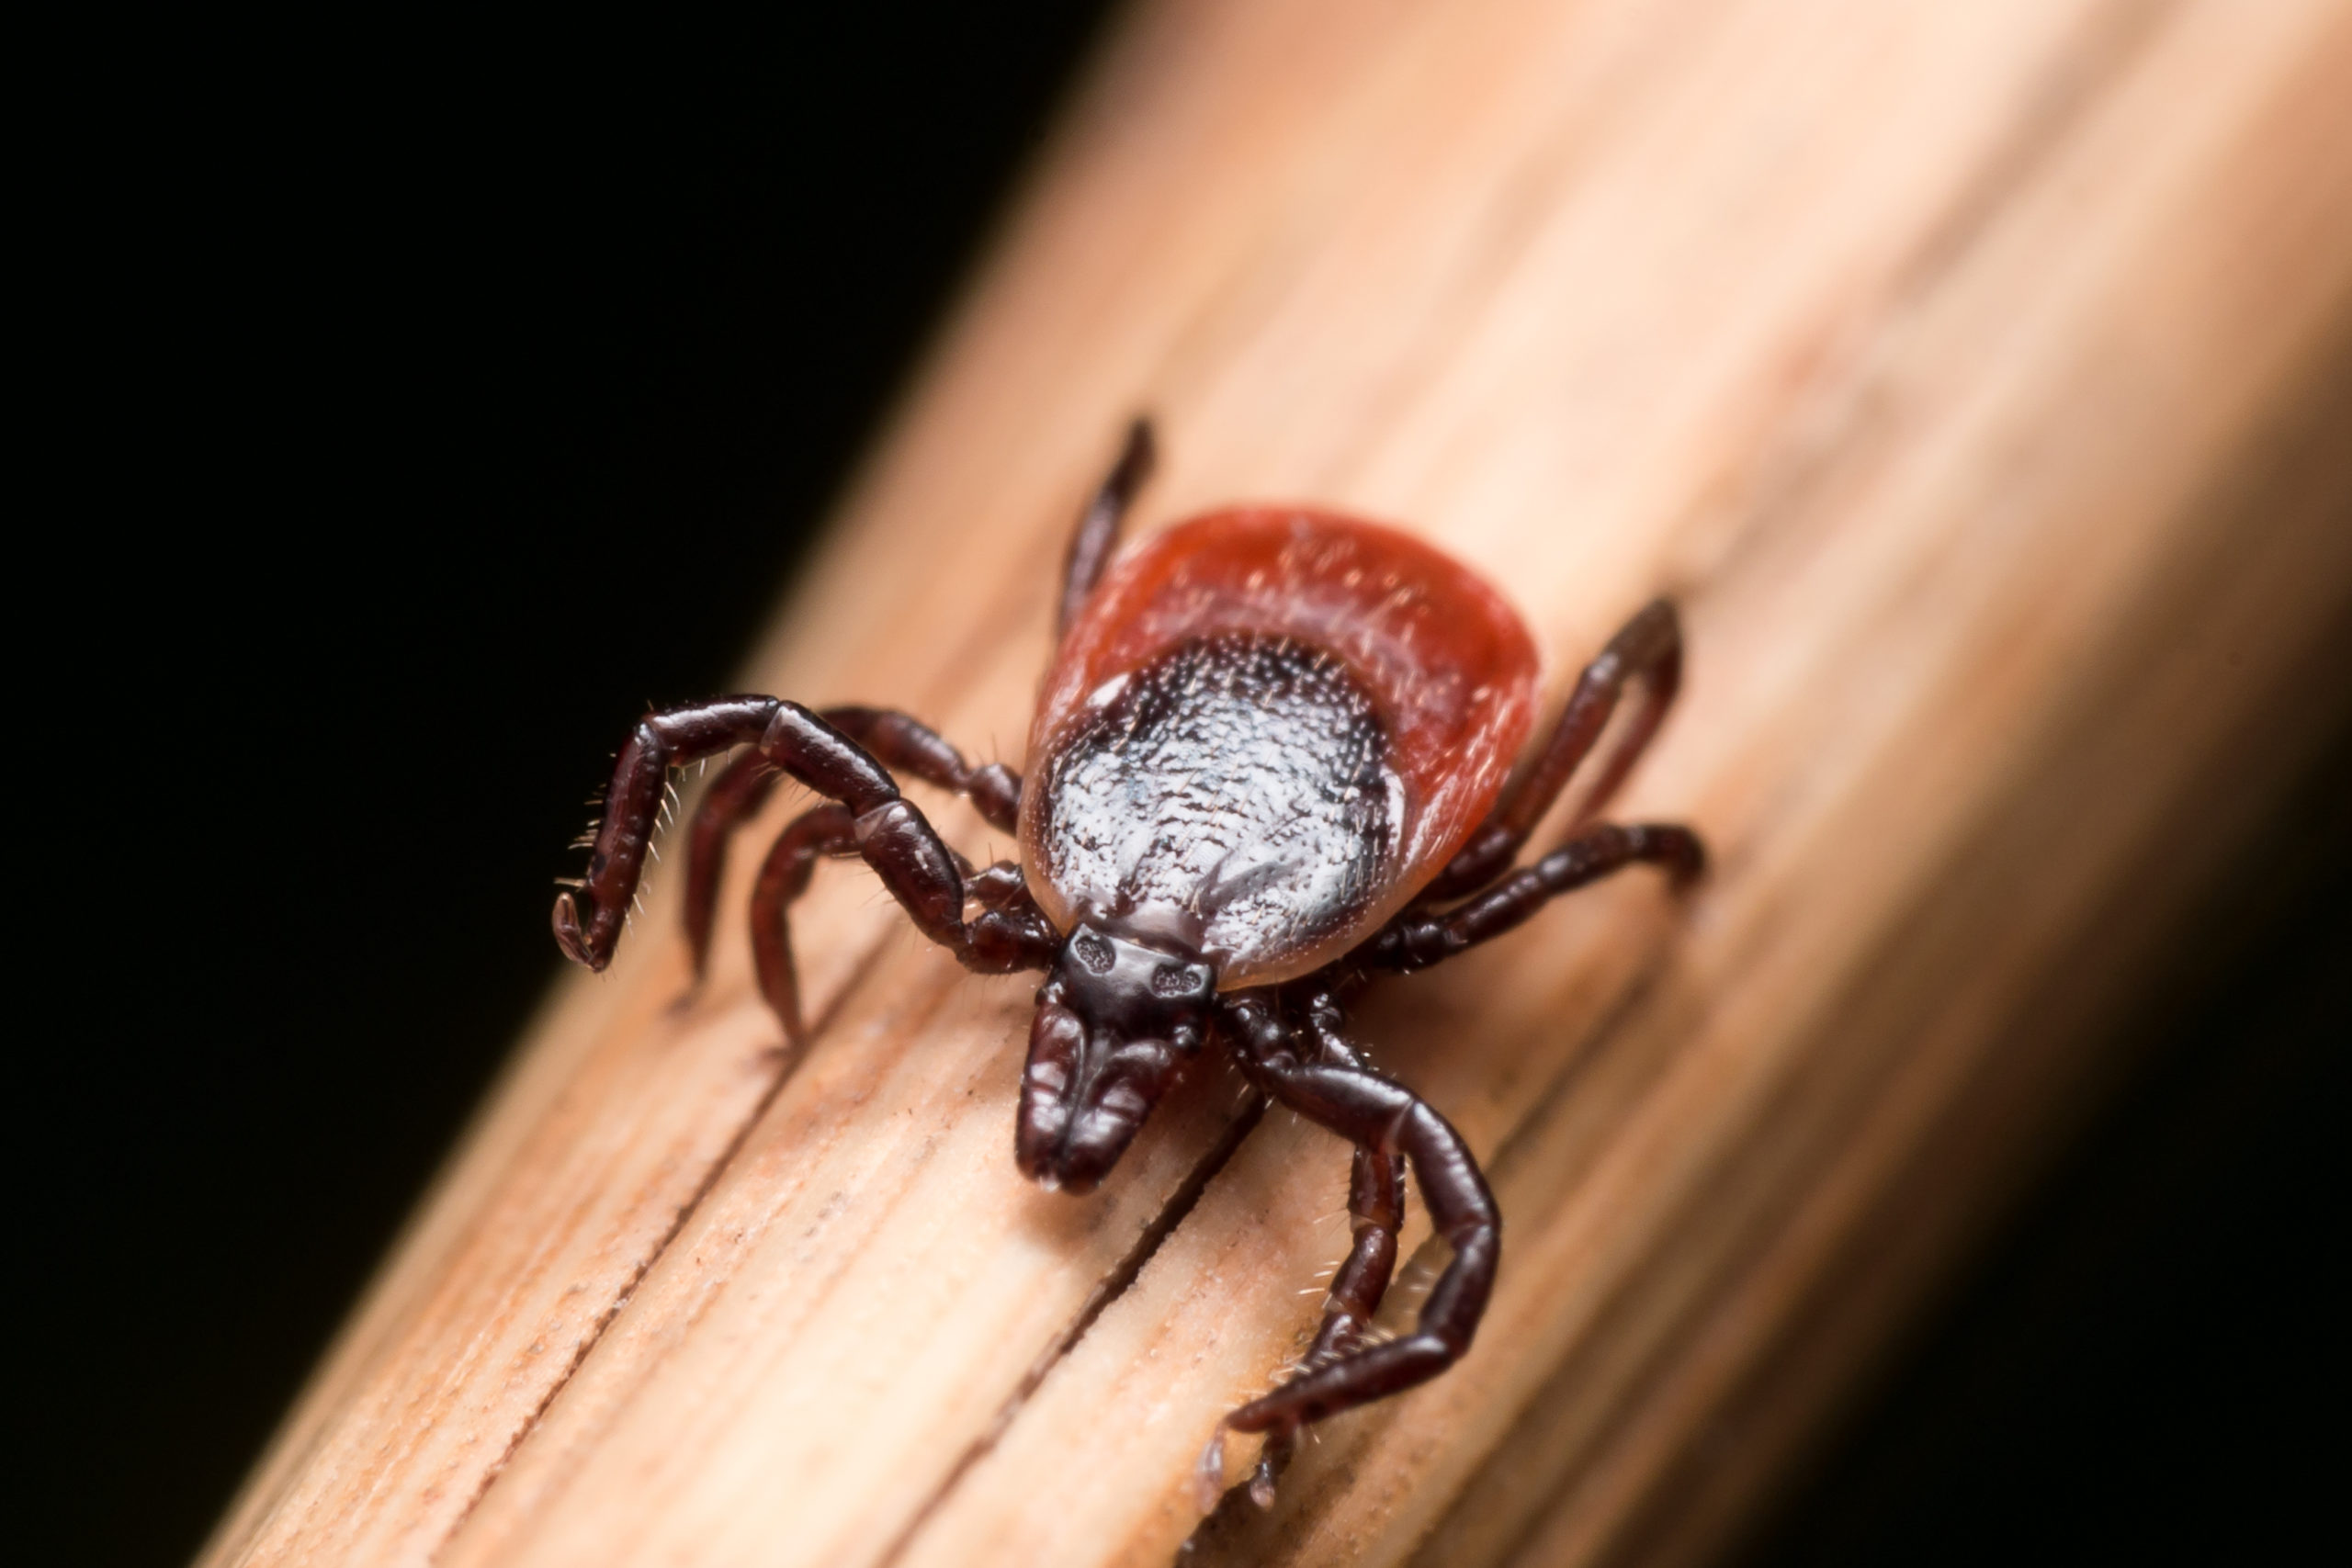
1375	1214
1415	940
827	830
908	746
896	839
831	830
896	741
1385	1120
736	795
1098	527
1647	649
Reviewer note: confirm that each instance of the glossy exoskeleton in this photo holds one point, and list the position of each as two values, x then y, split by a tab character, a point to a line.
1273	759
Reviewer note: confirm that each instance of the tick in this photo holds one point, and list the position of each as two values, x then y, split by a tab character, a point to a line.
1272	760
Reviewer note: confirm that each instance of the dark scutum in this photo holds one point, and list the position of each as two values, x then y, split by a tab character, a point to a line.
1233	793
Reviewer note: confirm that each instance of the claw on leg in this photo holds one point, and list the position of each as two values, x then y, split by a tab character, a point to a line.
1208	1473
568	935
1261	1478
1208	1478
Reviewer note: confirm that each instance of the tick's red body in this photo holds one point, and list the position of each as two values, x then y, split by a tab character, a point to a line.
1443	665
1273	744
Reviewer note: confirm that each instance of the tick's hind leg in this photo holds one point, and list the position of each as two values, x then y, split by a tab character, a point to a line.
1415	940
1097	534
1389	1124
902	744
1646	652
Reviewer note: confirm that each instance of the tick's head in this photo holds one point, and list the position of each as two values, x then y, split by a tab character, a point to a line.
1117	1020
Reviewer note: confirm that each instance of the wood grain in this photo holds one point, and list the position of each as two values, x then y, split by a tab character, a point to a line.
1975	377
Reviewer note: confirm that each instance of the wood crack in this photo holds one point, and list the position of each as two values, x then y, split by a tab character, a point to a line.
787	1064
1112	1286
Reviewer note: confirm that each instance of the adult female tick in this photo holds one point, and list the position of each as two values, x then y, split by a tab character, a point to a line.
1272	760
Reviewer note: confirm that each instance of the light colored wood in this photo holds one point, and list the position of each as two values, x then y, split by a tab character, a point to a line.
1974	373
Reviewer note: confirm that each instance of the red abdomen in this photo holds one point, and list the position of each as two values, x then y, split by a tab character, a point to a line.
1271	727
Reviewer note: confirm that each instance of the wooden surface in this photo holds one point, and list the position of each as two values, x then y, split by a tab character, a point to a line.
1975	377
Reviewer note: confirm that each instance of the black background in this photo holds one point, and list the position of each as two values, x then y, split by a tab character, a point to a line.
380	364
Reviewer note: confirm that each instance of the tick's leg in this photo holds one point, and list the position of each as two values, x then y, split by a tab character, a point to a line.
1648	650
784	876
1375	1211
733	797
829	831
1097	533
1385	1120
909	746
896	741
894	838
1415	940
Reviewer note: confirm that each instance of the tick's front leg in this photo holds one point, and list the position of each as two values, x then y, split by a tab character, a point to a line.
902	744
790	739
784	876
1385	1122
832	831
1375	1214
894	838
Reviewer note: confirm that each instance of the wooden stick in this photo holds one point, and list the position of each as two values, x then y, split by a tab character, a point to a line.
1974	375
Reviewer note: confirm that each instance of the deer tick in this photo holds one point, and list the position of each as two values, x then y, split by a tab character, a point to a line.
1273	759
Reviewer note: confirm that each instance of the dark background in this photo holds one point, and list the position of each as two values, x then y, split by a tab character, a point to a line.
383	366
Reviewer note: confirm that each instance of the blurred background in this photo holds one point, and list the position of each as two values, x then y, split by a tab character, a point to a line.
374	367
